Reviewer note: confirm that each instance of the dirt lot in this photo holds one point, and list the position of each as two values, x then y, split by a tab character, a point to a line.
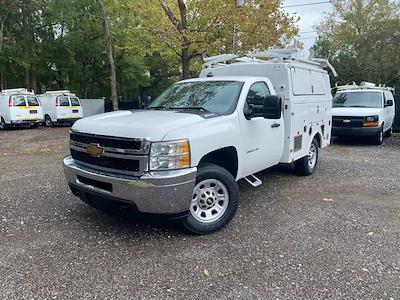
335	234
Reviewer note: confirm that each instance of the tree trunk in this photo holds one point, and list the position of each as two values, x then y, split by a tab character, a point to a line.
110	53
185	61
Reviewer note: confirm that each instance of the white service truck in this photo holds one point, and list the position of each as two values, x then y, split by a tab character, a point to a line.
181	157
62	107
364	110
19	107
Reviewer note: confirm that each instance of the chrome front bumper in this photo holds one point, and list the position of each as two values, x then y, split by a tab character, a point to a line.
166	192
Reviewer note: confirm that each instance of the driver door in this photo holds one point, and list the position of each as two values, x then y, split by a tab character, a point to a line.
262	138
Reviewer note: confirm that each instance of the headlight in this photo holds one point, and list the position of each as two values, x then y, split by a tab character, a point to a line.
170	155
372	121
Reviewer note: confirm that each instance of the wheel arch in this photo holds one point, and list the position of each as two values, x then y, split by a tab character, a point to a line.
226	158
318	137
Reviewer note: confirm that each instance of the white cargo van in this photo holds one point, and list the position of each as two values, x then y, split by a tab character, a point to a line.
181	157
18	107
61	107
364	110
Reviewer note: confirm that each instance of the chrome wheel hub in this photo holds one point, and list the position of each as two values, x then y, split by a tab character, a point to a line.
210	201
312	156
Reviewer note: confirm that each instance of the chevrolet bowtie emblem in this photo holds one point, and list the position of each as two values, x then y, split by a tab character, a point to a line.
95	150
346	121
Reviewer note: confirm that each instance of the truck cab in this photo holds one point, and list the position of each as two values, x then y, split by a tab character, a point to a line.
181	157
19	107
365	111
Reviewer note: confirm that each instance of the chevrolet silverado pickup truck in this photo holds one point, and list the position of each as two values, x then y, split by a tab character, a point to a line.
181	157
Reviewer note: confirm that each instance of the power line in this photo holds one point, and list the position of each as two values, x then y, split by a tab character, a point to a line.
306	4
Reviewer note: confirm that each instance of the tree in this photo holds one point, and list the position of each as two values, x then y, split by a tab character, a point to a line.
361	37
190	28
110	53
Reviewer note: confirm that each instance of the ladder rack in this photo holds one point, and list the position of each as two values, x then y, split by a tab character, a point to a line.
364	86
273	55
16	91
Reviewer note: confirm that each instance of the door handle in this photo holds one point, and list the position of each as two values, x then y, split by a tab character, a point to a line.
275	125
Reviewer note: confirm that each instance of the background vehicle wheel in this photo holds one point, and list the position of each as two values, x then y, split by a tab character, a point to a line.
306	165
3	125
389	132
378	139
48	122
214	202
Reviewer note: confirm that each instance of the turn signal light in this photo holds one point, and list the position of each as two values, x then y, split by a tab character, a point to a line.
370	124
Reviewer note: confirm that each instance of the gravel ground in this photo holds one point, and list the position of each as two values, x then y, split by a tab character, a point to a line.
332	235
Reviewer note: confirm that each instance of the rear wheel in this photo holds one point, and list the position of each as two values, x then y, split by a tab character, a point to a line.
378	138
214	202
48	122
306	165
3	125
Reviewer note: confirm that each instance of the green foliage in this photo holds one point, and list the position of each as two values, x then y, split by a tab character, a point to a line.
362	37
53	44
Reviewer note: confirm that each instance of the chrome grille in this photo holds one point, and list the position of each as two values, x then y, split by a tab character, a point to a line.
111	154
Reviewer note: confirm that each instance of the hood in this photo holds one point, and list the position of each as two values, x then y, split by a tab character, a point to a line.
146	124
355	111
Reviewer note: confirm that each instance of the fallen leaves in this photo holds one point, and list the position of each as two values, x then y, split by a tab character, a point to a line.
206	273
327	199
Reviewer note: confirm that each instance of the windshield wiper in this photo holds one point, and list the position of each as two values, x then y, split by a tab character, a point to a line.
192	108
159	107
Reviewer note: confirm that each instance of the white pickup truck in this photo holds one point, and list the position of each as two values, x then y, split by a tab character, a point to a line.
182	157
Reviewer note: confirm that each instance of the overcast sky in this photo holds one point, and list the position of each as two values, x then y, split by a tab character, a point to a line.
309	15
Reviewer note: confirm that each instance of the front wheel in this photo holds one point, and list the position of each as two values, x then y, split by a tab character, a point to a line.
378	138
389	132
214	202
306	165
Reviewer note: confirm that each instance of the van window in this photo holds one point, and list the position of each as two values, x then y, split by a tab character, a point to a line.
257	93
32	101
19	101
358	99
64	101
75	102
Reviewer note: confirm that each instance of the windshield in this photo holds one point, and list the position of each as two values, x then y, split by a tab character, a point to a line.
32	101
212	96
358	99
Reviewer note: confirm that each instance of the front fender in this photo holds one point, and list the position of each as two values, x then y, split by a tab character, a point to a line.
208	136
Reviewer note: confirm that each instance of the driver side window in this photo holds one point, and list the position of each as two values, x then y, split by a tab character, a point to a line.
256	96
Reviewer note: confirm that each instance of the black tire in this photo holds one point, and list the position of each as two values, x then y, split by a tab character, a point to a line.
378	138
389	132
3	125
302	166
48	122
210	172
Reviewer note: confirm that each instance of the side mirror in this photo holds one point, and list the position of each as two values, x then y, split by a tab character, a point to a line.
389	103
272	107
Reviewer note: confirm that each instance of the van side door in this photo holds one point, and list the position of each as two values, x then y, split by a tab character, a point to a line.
262	139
